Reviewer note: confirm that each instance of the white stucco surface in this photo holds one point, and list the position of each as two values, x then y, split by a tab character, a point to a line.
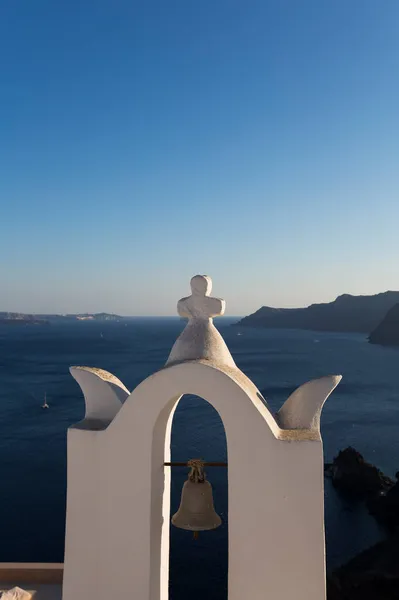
118	500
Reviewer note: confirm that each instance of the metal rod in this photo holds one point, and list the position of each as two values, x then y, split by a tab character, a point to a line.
185	464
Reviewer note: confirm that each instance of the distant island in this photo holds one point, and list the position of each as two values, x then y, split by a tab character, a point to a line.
359	314
8	318
387	332
93	317
11	318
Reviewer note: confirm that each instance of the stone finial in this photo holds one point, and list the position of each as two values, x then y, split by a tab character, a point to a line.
200	305
200	338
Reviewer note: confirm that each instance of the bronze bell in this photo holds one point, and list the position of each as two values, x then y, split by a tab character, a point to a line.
196	511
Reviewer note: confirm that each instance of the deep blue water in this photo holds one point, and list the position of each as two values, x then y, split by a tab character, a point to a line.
363	411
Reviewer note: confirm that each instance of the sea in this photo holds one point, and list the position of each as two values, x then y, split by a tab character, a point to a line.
362	412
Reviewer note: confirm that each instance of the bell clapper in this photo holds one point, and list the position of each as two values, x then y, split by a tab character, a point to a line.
196	475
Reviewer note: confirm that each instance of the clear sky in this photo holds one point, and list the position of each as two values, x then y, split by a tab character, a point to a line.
142	142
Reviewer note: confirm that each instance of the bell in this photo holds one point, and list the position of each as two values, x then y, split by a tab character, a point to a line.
196	511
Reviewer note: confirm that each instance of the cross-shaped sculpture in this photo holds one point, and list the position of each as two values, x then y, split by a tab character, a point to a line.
200	305
200	340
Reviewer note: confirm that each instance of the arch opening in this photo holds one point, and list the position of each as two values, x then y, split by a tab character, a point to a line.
198	568
234	398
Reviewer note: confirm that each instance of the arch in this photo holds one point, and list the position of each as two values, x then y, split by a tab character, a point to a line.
149	411
119	492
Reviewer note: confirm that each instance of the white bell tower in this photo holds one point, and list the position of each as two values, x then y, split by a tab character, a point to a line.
118	496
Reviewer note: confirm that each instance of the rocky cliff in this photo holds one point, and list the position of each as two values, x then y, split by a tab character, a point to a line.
387	332
372	575
347	313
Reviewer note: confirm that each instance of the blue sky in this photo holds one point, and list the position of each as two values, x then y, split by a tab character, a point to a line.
144	142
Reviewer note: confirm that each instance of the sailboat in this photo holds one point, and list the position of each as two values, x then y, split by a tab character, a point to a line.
45	405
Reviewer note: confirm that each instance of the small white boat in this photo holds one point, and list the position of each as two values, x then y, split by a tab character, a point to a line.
45	405
239	333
